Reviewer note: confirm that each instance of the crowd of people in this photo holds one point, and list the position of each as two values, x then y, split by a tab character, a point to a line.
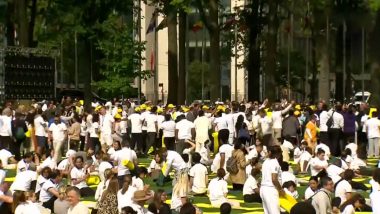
63	153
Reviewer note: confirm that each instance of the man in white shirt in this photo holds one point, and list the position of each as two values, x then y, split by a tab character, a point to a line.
76	207
6	157
198	175
266	127
184	130
106	128
323	118
49	191
24	179
343	188
277	116
6	129
40	126
135	123
172	160
152	129
121	159
335	132
202	126
58	134
375	195
373	134
6	198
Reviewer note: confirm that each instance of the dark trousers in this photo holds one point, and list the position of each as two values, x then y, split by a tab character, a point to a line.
150	141
267	140
180	146
324	137
335	142
252	198
169	143
6	208
14	148
86	192
136	139
82	142
94	144
50	204
237	186
5	141
223	136
144	136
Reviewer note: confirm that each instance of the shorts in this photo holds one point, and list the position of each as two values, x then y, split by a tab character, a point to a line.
106	139
41	141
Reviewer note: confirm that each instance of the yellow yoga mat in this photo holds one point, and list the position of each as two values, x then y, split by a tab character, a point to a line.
287	202
215	135
359	179
164	166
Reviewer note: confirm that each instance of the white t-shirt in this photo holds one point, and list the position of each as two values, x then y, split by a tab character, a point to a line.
266	125
153	166
160	120
334	172
217	188
249	186
221	123
373	128
225	149
78	209
3	174
102	167
356	163
136	122
45	195
48	162
349	209
175	161
168	128
323	118
22	166
202	125
124	200
63	165
375	185
78	174
270	166
4	157
341	189
39	126
151	120
325	148
199	173
27	208
40	181
143	116
106	123
317	162
138	183
122	155
58	131
354	148
288	176
374	196
94	130
308	193
184	129
23	180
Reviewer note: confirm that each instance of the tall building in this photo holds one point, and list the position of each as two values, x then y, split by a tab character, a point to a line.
198	55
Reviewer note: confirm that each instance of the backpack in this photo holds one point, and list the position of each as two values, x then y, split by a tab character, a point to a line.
243	133
232	166
20	133
330	121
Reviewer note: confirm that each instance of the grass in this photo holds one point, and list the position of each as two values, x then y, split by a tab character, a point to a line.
203	202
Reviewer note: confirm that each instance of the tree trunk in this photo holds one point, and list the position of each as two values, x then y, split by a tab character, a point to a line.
21	12
32	21
374	56
254	57
87	75
314	68
215	72
181	96
172	57
271	51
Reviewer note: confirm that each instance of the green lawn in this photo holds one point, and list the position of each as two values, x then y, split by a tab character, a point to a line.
203	202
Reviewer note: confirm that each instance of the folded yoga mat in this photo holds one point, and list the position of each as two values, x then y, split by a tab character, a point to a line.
287	202
359	179
10	179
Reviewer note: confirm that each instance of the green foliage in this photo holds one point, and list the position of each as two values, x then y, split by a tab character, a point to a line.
121	55
195	80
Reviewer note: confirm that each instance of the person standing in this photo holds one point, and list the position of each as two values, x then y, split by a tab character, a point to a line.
311	133
335	132
125	160
152	129
349	124
18	132
6	129
76	207
265	127
372	127
40	126
271	189
291	127
74	133
106	128
323	129
168	129
202	126
277	116
184	130
58	133
239	178
135	123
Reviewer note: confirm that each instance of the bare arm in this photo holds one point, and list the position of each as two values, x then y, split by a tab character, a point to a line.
54	192
277	184
6	198
222	160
